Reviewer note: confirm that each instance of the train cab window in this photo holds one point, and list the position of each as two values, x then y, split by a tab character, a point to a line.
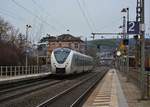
61	54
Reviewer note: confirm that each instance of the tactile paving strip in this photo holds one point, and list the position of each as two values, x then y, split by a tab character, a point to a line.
103	97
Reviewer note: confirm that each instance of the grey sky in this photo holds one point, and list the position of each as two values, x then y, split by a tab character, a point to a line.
60	15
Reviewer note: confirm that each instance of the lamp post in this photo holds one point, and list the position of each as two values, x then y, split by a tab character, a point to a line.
126	39
27	30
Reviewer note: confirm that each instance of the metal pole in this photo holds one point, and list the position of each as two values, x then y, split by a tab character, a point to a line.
27	27
124	36
142	49
26	47
138	47
127	37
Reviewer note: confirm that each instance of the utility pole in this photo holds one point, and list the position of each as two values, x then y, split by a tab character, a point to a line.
142	48
140	19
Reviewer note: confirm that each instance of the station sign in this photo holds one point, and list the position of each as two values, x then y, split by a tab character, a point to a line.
132	27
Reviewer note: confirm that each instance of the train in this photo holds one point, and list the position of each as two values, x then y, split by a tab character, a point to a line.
65	61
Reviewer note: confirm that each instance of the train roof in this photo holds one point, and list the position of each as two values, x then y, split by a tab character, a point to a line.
67	49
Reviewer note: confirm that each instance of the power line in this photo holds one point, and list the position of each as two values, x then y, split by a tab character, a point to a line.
16	18
35	3
8	13
84	15
49	15
33	30
27	10
108	26
89	15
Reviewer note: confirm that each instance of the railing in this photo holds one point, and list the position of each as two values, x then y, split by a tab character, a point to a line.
135	77
20	70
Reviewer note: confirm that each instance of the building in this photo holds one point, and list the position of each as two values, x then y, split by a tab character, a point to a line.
66	41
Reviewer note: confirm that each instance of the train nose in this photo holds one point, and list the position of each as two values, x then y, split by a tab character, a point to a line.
54	64
60	70
66	65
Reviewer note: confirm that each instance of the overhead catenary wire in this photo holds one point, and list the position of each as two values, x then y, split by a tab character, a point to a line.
84	15
113	22
48	14
37	29
30	12
10	14
89	15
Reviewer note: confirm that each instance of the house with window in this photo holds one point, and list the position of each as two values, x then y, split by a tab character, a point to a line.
66	41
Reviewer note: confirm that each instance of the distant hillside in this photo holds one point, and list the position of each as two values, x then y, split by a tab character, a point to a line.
106	42
113	42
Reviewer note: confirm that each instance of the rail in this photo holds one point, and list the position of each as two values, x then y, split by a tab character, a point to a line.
8	71
70	89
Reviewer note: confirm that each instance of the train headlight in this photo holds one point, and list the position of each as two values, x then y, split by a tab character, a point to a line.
66	65
54	64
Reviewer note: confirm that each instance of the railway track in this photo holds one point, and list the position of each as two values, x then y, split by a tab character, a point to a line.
33	98
14	92
23	85
73	96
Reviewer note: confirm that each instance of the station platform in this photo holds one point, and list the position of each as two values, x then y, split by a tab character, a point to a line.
115	91
108	93
11	79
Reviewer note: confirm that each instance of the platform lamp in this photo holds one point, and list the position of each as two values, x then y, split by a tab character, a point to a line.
126	39
27	51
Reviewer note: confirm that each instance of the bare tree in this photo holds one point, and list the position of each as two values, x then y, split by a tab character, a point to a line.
11	44
4	29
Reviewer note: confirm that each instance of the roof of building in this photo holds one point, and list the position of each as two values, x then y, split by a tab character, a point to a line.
65	38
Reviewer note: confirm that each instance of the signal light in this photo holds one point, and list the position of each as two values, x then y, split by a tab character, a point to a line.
125	41
98	46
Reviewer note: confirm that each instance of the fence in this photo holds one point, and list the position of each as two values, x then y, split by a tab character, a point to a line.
20	70
148	84
135	77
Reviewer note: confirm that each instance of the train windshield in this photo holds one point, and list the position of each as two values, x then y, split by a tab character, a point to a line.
61	54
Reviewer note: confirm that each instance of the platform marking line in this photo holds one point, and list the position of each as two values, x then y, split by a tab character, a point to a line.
102	106
103	97
100	100
102	103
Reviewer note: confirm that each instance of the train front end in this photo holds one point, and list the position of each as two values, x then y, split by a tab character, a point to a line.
60	61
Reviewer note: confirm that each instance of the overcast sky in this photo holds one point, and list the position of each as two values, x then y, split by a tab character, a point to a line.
80	17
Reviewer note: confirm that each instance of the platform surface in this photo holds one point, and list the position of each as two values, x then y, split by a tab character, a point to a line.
8	79
108	93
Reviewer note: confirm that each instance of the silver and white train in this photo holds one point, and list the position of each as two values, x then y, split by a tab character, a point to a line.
65	61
